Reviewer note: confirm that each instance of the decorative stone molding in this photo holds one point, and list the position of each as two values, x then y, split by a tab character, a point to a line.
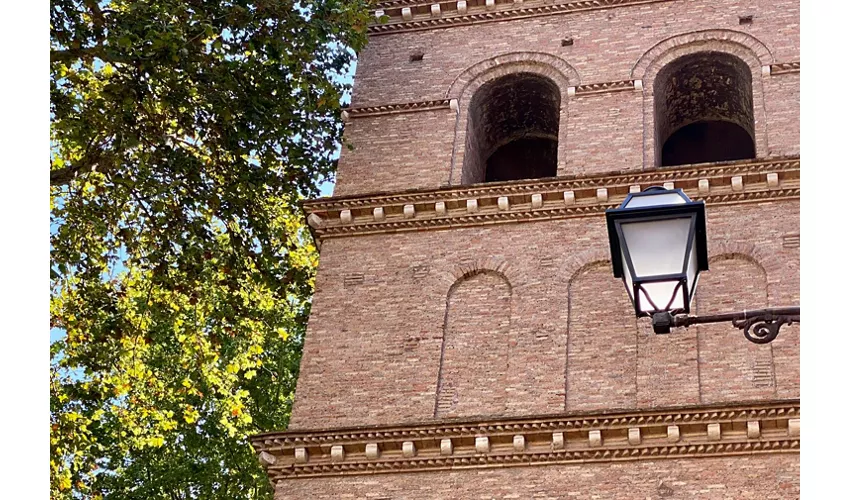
373	451
588	437
394	109
594	438
408	449
519	443
794	427
267	459
557	440
461	13
558	198
606	87
713	432
783	68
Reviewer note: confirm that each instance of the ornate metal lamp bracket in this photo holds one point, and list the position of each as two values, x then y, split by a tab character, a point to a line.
760	326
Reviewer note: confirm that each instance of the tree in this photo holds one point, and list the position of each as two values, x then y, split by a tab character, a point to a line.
183	135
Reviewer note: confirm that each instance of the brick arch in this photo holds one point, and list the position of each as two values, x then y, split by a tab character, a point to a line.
474	354
475	272
752	52
575	264
601	357
470	80
481	72
769	264
731	368
745	42
749	251
450	278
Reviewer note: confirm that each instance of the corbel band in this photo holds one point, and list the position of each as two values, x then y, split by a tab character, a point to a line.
782	68
607	87
402	15
601	437
393	109
559	198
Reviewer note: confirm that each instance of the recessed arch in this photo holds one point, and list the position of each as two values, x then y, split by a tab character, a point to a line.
731	368
475	347
467	84
703	105
726	44
512	134
601	357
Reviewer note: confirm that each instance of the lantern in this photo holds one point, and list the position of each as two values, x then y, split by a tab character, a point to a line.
658	247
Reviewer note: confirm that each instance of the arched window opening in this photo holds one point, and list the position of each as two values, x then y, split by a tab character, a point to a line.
513	130
704	110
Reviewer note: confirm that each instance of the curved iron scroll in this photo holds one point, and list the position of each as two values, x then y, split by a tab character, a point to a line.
760	326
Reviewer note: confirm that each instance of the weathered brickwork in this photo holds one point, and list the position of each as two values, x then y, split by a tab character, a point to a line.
470	341
355	354
392	159
474	358
609	45
775	477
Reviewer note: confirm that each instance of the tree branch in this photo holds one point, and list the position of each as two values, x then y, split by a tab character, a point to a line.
86	53
69	55
88	163
96	13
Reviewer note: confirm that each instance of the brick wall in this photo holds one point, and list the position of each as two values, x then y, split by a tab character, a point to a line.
373	348
526	318
772	477
600	133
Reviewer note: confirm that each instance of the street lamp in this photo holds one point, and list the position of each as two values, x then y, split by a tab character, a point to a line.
658	248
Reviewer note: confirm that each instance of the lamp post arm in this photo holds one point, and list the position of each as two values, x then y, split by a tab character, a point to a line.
760	326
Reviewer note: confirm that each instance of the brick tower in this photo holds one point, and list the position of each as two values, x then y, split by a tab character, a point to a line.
468	338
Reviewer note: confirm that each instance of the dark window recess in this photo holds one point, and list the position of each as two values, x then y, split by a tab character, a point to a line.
526	158
513	130
704	110
707	141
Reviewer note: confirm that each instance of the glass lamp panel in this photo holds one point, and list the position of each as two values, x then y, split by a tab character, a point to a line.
627	276
654	200
657	247
692	267
661	293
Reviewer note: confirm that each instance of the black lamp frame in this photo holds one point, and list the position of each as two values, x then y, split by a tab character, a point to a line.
693	210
